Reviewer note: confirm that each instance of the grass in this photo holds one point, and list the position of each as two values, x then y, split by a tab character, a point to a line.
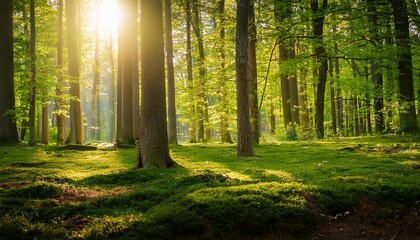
290	190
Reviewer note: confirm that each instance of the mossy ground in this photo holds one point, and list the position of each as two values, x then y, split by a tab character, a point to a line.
326	189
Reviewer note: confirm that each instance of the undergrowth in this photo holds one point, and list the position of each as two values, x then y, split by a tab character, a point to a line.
287	190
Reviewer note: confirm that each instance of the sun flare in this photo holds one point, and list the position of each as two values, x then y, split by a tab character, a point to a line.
107	14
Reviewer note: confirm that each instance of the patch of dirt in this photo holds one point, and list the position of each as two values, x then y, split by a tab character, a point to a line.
371	221
71	193
14	184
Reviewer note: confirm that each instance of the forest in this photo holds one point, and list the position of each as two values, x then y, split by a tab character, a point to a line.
217	119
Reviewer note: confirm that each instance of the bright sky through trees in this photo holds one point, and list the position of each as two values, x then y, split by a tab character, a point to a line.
109	17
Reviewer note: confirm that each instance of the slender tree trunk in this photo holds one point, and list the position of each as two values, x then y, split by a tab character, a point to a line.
32	86
244	146
252	74
375	72
303	100
224	121
172	129
60	101
408	121
119	130
111	95
76	121
318	25
96	81
132	34
193	108
332	99
127	75
8	130
153	144
293	88
204	133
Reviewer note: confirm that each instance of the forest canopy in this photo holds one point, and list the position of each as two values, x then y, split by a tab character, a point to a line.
314	69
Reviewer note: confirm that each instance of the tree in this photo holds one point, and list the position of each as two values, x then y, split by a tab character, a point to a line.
321	58
76	121
32	90
224	109
408	121
59	104
95	101
8	130
204	133
153	149
172	129
252	74
376	74
244	145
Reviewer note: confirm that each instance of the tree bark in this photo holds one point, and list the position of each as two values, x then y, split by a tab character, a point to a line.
244	146
96	81
76	120
8	130
252	74
376	74
204	133
153	144
224	121
408	121
172	129
119	130
60	101
321	56
32	85
127	75
193	108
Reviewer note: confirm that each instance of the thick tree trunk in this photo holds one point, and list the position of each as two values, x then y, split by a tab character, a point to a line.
408	121
172	129
8	131
244	146
132	34
32	85
153	144
76	120
60	101
252	74
318	25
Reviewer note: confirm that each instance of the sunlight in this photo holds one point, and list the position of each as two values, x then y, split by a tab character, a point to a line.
108	14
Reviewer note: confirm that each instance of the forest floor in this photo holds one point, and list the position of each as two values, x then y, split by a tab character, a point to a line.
338	188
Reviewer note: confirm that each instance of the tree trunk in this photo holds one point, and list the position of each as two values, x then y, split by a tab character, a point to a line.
96	81
119	130
127	75
318	25
252	74
224	109
408	121
111	95
76	120
244	146
172	130
193	111
153	144
134	53
60	101
203	131
8	130
32	85
375	72
332	99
